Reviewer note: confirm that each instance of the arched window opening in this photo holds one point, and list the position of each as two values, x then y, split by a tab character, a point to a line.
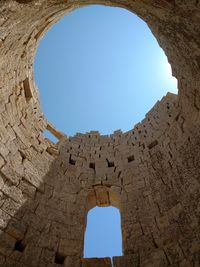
103	237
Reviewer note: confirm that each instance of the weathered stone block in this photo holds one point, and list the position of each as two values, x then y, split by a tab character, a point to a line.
127	260
96	262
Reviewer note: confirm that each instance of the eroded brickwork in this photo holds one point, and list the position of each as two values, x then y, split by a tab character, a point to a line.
151	173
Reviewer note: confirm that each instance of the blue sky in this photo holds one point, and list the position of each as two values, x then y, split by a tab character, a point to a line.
100	68
103	233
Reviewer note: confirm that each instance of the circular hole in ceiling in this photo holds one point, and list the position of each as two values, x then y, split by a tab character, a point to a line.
100	68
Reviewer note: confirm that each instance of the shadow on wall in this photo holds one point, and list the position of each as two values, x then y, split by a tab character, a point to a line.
47	228
46	195
43	223
46	191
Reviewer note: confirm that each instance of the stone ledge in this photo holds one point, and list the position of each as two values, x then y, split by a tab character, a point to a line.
96	262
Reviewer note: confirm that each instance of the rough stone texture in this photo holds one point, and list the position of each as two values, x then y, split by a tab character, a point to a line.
151	173
96	262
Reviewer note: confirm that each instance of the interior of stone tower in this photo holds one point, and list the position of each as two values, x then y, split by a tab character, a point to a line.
151	173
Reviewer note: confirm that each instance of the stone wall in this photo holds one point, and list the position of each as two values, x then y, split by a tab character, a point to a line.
151	173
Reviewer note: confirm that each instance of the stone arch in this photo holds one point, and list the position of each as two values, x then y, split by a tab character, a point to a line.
103	196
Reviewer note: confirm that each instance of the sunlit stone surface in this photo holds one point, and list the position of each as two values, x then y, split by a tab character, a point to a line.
150	173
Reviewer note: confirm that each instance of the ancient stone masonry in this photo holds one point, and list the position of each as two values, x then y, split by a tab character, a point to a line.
151	173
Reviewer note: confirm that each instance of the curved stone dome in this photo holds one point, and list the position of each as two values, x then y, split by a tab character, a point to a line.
151	173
